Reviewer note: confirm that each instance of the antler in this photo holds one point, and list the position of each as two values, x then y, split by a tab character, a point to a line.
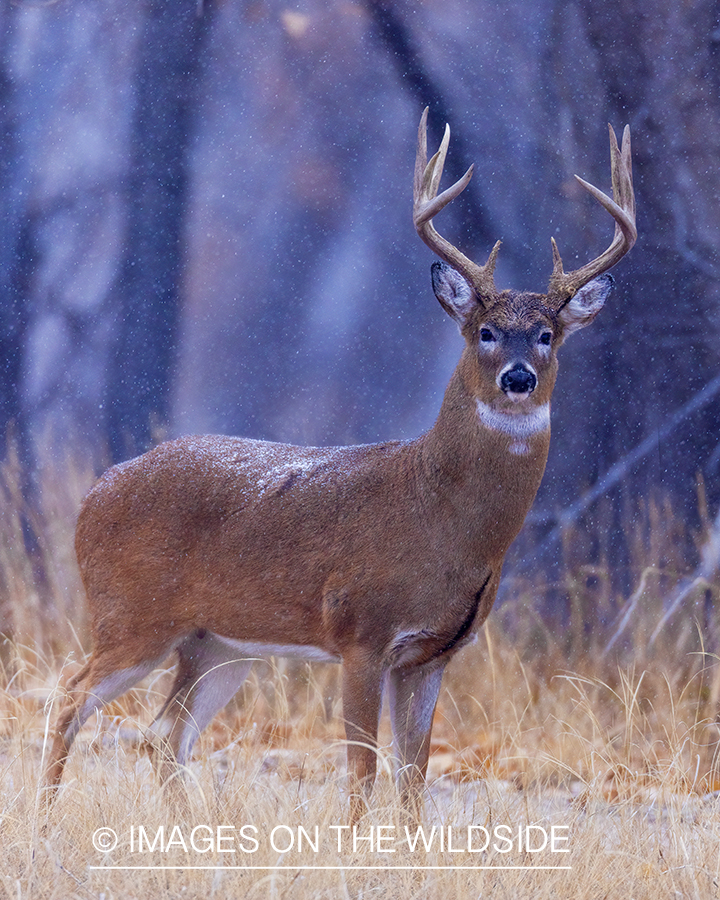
564	285
426	205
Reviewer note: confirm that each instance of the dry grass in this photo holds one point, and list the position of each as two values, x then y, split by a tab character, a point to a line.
590	731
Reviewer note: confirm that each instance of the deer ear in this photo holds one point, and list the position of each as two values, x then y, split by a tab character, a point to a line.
586	304
454	293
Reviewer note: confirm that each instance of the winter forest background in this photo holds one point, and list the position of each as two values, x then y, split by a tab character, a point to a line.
206	227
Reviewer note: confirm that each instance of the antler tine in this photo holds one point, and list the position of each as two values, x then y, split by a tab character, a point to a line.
427	204
564	285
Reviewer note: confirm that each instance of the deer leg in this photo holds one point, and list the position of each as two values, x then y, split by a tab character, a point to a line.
209	673
362	696
103	678
413	694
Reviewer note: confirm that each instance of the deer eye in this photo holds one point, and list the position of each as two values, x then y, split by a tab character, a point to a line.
486	335
545	338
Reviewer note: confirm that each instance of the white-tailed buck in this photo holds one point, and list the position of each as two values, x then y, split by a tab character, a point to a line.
383	557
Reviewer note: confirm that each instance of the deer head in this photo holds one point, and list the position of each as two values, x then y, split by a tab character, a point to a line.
515	335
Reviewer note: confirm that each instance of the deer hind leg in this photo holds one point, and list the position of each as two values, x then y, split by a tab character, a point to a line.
413	694
209	673
104	677
362	697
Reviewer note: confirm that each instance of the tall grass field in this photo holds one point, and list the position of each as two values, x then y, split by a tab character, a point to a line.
574	755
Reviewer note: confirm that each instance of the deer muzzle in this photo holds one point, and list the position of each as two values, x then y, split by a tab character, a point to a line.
518	381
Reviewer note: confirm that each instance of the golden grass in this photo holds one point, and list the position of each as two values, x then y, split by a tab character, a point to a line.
539	725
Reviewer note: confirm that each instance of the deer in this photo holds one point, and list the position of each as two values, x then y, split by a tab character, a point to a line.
384	557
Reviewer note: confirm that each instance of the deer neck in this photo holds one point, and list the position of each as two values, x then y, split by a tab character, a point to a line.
484	465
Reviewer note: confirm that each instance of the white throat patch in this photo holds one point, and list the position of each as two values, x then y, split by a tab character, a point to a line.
517	425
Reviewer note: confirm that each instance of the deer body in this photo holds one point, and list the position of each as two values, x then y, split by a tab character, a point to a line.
250	536
384	557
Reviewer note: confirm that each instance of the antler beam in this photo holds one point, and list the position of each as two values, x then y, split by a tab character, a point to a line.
564	285
427	204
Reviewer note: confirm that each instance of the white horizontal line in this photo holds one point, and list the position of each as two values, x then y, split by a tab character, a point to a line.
296	868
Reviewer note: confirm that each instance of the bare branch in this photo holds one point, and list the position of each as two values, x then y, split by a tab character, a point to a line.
623	466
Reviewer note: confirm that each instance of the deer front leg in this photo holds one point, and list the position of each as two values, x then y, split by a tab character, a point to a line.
413	694
362	696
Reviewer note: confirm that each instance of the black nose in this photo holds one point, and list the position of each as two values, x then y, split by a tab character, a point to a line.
518	380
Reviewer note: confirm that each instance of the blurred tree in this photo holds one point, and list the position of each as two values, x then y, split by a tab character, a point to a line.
15	256
659	65
146	292
652	65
